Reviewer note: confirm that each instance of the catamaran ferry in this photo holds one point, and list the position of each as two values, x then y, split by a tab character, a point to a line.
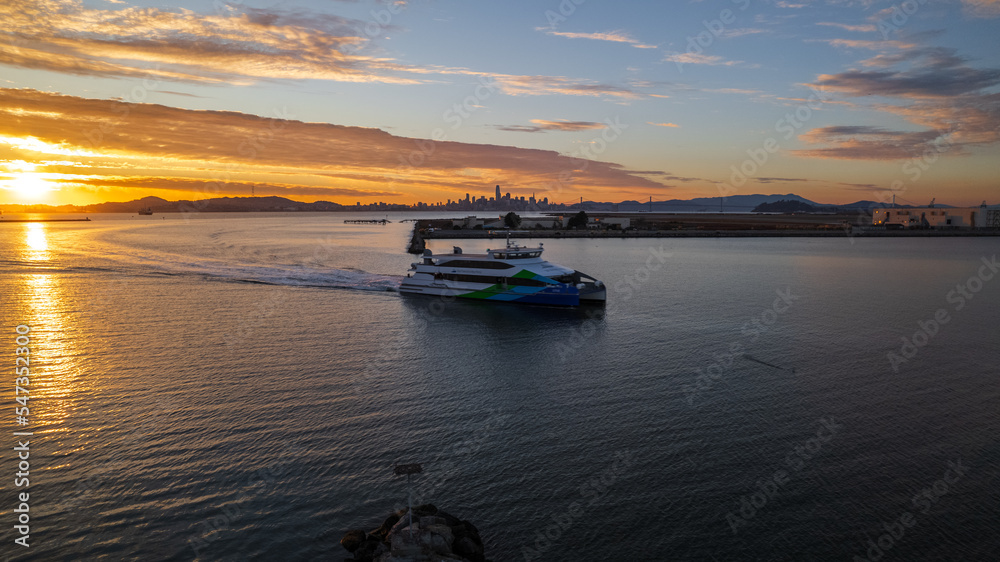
513	274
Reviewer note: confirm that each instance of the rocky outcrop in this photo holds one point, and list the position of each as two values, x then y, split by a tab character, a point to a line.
436	536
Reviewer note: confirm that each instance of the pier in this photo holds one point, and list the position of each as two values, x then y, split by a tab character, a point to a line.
367	221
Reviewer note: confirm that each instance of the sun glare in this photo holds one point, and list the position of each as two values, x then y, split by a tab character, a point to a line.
29	186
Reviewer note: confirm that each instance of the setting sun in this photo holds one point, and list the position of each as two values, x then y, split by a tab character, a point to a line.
29	186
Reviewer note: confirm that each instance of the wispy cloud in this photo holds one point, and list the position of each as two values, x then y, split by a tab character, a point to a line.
547	85
866	44
663	124
542	125
613	36
780	180
854	142
863	28
237	46
982	8
699	58
743	31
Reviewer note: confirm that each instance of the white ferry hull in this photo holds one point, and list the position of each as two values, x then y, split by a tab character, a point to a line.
515	274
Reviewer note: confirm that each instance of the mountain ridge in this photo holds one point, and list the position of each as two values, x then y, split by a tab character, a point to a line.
733	203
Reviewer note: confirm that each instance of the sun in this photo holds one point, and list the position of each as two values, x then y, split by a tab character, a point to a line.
29	186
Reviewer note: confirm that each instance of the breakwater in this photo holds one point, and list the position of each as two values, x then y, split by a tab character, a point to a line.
827	233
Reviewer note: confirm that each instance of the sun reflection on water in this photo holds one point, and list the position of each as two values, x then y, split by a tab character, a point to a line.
36	242
55	373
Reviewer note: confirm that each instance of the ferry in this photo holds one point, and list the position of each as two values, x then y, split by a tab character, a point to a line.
513	274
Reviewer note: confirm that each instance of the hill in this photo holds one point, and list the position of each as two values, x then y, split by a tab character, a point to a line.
733	203
784	206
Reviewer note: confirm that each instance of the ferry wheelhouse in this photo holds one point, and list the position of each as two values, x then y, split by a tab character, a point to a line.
513	274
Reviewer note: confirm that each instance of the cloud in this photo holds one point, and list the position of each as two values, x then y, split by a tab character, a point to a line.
238	45
698	58
743	31
667	176
865	44
232	187
235	46
940	73
613	36
936	90
149	140
548	85
865	28
867	143
780	180
542	125
663	124
982	8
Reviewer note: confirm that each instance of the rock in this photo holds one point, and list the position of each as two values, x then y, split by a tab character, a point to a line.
370	550
403	526
425	509
469	549
437	536
387	525
353	539
443	531
428	520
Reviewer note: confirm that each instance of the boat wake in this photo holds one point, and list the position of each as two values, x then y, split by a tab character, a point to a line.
287	275
171	265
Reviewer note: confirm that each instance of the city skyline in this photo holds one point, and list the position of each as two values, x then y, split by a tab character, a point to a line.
409	101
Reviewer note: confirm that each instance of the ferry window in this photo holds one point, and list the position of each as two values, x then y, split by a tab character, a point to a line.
477	264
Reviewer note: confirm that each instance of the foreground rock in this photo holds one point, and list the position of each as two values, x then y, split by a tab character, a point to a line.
436	536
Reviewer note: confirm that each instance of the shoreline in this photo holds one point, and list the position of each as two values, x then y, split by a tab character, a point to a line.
46	220
788	233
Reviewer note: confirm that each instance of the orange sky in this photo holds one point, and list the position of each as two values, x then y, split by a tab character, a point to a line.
103	150
405	101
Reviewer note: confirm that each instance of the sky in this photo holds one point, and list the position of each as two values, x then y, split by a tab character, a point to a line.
429	100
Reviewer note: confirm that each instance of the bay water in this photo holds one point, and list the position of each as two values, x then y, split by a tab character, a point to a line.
239	386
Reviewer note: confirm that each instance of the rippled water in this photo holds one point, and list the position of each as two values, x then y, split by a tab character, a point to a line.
239	386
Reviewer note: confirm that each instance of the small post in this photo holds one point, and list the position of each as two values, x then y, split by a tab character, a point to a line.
408	469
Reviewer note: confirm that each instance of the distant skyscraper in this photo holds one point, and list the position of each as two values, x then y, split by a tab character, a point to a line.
498	193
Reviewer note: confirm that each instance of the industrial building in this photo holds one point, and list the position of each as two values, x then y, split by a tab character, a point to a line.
938	217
